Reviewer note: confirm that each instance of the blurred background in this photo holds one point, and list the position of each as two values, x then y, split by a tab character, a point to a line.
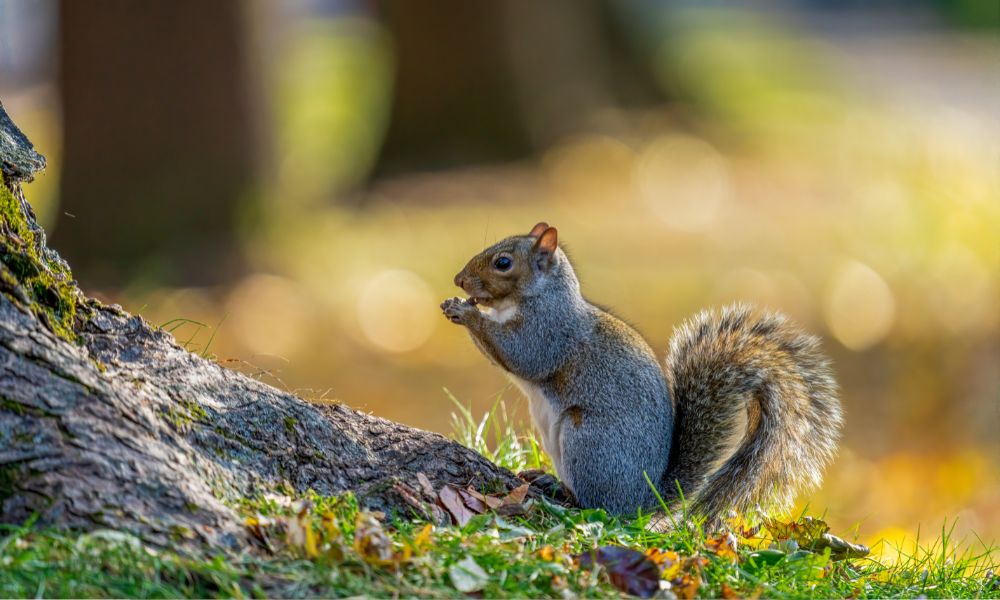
290	187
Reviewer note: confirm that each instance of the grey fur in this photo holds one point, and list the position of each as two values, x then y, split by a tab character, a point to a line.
617	417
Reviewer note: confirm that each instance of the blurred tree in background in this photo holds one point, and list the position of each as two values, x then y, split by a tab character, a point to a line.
491	81
165	96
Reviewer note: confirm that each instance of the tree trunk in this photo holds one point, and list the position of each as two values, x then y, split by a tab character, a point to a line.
167	97
106	422
486	81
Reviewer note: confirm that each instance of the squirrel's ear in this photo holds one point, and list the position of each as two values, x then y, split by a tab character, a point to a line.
537	230
545	248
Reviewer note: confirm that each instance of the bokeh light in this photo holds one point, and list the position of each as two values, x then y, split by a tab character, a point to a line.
683	180
397	311
860	307
270	315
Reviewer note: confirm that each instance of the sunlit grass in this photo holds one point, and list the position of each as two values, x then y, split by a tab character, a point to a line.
186	331
521	557
513	446
529	556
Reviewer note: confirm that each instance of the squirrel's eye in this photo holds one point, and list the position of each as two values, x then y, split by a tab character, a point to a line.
503	263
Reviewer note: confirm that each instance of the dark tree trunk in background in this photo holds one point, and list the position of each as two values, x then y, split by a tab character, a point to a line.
162	137
454	98
107	422
480	81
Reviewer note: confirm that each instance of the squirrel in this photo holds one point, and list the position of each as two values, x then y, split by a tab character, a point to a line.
609	416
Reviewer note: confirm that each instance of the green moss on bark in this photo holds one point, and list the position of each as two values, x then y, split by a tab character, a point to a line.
48	284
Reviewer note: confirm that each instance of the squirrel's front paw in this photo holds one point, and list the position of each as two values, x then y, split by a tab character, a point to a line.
455	309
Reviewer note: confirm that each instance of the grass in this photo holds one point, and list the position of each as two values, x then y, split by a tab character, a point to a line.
174	325
323	546
509	448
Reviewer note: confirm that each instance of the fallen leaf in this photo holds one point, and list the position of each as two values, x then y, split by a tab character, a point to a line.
512	510
488	500
694	563
467	576
813	534
309	545
668	561
738	524
332	535
409	496
629	570
329	524
686	586
452	502
767	557
472	502
424	536
372	542
423	539
516	495
295	532
258	526
425	485
547	553
723	546
806	531
559	583
511	531
840	549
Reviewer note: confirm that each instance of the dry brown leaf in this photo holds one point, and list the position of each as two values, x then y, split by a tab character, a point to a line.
629	570
723	546
373	544
512	510
471	502
668	561
490	501
409	496
425	485
516	495
452	502
686	586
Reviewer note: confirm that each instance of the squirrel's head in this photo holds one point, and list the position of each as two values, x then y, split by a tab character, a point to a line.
509	267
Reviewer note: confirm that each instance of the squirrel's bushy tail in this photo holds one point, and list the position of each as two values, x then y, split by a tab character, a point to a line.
722	365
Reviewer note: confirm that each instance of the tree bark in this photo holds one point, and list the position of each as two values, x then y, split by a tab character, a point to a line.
106	422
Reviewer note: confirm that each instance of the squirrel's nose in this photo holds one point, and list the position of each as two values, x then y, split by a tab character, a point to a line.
460	281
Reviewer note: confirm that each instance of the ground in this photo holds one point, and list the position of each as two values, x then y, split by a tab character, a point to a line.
326	546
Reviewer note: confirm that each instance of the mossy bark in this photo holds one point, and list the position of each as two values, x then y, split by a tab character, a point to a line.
106	422
44	279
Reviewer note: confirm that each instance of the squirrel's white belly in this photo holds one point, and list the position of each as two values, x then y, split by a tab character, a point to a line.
545	418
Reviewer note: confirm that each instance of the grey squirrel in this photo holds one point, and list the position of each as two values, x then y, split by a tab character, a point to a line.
609	416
